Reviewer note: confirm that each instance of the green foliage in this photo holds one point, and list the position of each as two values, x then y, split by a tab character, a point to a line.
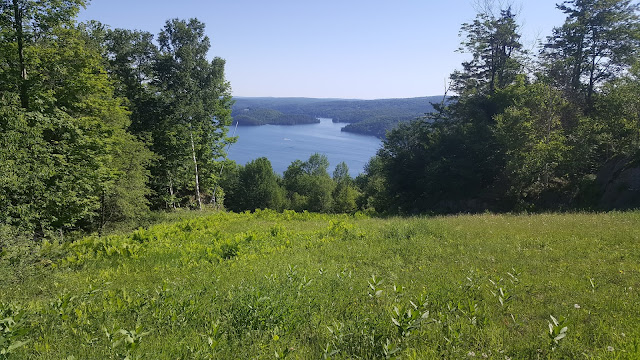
256	187
13	328
251	116
557	330
614	127
535	145
63	157
515	141
309	185
598	41
126	197
346	194
191	91
37	194
494	42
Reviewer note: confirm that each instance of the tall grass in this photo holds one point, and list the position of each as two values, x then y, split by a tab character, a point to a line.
299	285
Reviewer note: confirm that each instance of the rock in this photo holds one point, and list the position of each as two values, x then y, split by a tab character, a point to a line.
619	183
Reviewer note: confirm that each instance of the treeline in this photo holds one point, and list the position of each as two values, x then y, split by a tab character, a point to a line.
559	129
377	126
100	125
305	186
368	117
254	117
555	130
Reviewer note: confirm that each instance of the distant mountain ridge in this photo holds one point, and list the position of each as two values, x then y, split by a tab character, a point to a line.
369	117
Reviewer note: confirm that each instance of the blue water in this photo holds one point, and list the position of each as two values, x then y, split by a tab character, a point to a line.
282	144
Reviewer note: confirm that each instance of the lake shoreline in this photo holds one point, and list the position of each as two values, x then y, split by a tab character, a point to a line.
283	144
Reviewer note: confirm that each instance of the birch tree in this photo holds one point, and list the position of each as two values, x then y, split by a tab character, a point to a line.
196	101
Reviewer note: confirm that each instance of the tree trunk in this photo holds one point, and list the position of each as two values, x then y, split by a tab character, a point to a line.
171	204
195	163
576	67
102	215
592	72
17	13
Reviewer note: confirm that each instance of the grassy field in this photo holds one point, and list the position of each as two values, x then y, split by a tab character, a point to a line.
307	286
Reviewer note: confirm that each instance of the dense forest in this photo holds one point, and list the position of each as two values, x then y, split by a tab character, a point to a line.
368	117
101	125
250	116
555	130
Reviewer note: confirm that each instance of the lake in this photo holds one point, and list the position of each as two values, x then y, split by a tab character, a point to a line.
282	144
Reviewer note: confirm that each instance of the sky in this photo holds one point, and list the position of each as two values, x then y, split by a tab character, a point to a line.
356	49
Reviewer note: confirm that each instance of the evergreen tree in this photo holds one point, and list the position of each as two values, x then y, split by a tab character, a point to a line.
494	43
450	160
598	41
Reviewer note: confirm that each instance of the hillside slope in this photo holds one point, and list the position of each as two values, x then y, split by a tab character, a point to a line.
245	286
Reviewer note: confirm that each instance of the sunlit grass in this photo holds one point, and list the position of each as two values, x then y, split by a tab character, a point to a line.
269	285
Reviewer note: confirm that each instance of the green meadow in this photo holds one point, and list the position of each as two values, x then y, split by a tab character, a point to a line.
270	285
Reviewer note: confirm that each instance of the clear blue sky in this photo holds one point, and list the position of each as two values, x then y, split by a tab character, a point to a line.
365	49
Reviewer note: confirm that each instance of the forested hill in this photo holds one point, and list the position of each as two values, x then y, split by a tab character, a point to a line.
370	117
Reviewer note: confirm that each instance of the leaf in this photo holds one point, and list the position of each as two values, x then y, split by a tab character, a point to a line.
559	337
396	322
17	345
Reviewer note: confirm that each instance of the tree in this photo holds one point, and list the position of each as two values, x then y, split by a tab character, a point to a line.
31	21
612	130
372	184
341	173
495	45
130	63
196	103
125	197
64	127
450	160
317	165
618	116
309	185
345	194
258	187
598	41
535	144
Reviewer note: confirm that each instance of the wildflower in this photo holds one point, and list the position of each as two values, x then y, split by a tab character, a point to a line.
471	354
610	348
576	306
